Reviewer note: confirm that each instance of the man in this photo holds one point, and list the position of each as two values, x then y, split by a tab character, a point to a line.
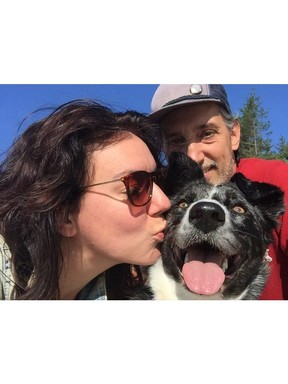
197	119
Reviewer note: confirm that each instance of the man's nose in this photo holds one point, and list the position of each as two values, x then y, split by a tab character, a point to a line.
195	153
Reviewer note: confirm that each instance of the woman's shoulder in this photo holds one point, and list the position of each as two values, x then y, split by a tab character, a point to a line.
95	290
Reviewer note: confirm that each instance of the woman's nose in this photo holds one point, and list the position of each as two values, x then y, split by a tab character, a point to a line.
159	200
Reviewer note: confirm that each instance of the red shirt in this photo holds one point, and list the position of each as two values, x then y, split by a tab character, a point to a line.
273	172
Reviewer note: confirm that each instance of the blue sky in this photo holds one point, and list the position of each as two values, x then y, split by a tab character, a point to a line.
19	101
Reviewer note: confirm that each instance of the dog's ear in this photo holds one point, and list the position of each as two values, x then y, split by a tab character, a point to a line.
267	197
181	169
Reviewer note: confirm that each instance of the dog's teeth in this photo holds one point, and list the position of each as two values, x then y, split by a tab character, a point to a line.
225	264
186	258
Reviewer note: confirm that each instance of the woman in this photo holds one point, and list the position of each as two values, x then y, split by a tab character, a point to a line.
77	197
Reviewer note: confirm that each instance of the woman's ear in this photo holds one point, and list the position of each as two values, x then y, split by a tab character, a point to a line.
66	224
235	135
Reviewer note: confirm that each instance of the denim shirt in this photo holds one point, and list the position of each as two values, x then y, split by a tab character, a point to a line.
94	290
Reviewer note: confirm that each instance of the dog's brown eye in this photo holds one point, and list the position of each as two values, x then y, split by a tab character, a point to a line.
238	209
182	204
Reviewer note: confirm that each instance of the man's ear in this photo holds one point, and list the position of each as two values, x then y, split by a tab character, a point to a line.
66	224
235	135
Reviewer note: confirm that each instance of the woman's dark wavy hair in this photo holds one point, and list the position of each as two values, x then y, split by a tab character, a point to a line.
42	175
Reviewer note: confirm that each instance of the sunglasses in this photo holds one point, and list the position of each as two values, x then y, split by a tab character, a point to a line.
139	186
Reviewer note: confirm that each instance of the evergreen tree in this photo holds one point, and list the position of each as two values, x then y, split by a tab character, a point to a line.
282	149
255	132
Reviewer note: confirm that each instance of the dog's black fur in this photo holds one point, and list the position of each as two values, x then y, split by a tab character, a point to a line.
229	224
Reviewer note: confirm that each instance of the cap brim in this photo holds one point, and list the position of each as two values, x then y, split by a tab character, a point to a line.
156	116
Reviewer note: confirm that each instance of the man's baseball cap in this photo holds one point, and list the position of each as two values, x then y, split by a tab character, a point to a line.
171	96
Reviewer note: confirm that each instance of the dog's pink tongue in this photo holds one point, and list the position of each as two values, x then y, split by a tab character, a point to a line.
203	278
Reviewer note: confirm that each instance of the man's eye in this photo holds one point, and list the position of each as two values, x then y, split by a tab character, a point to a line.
206	135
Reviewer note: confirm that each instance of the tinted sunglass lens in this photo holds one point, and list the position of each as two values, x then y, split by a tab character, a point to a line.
140	187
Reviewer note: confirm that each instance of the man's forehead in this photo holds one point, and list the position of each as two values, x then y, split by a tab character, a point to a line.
189	116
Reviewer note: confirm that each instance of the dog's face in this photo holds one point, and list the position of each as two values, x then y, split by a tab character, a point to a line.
217	236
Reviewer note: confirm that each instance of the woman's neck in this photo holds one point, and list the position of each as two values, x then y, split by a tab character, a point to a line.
79	268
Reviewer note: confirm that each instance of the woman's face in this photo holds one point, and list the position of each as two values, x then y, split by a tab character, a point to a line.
108	228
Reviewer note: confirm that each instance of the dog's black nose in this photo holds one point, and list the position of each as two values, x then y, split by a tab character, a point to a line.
207	216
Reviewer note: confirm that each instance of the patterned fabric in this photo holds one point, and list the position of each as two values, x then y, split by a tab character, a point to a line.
94	290
6	277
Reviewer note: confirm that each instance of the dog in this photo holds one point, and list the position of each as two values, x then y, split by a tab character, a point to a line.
216	239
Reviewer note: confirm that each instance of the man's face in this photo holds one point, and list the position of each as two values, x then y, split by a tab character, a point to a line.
200	131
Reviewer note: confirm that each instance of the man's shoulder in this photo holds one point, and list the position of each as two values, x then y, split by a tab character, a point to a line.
248	161
262	170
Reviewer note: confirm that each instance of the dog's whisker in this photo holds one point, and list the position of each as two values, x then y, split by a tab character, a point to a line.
246	233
